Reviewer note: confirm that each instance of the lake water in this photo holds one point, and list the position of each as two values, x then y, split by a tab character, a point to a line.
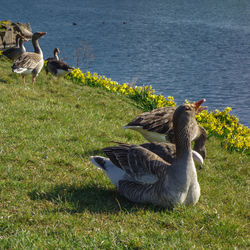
186	49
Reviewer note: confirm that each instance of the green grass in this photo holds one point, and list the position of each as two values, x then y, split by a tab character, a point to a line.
52	197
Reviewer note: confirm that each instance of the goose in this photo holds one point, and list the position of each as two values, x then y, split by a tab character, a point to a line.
56	66
14	52
56	58
157	126
142	176
30	62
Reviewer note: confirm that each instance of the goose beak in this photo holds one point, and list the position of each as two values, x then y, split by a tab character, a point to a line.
43	33
197	106
24	39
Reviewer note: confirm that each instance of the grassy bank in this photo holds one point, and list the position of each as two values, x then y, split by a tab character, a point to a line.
52	197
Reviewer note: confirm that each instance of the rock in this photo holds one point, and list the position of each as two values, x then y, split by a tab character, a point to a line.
9	30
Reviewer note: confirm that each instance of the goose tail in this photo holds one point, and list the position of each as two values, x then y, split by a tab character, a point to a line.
114	173
99	161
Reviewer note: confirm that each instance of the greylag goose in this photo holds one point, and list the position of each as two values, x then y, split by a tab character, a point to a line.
56	58
57	67
14	52
143	176
157	126
30	62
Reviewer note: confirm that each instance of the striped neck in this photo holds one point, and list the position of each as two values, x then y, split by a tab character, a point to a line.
183	142
36	46
56	57
21	44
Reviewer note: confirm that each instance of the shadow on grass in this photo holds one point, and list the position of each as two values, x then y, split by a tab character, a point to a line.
88	153
73	199
2	81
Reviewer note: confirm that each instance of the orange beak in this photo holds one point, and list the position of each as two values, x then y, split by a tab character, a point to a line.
43	33
197	106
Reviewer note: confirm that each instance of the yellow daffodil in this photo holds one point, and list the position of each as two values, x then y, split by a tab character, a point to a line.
219	123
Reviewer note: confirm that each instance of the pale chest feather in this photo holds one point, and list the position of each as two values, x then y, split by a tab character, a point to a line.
182	187
149	135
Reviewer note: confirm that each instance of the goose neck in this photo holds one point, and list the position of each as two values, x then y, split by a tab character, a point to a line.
21	44
56	57
183	142
17	41
36	46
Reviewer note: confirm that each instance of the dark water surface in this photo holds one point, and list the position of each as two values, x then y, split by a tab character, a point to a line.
187	49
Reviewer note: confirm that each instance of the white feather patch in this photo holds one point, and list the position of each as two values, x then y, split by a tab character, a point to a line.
22	71
149	135
114	173
197	157
61	72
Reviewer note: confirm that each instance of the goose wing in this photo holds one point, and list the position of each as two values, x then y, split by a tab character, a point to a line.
28	60
167	151
158	120
59	64
139	163
144	193
10	53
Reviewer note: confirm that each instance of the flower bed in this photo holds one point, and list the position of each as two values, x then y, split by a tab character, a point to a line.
219	123
234	135
144	96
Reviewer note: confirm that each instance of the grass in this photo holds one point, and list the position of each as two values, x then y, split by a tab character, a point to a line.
52	197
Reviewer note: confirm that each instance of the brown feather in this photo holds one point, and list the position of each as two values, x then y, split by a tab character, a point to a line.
28	60
137	160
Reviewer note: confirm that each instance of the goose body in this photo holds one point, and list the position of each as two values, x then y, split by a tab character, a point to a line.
14	52
56	66
30	62
56	58
157	126
145	176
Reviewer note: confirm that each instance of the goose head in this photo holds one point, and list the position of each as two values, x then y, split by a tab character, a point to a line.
21	39
35	43
38	35
184	120
56	51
